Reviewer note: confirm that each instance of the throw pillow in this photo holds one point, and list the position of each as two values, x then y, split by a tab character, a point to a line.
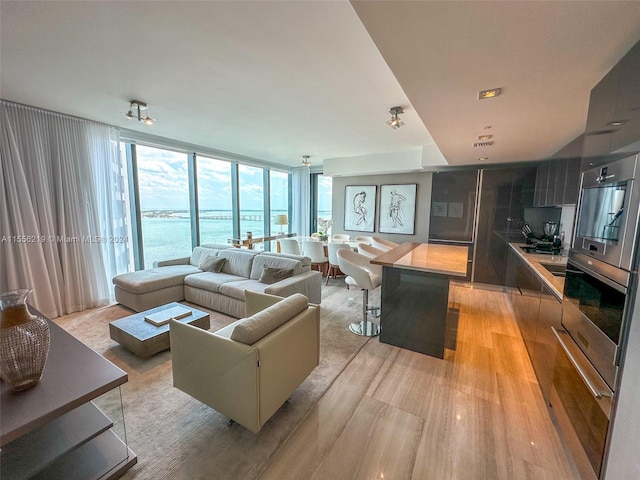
212	264
274	274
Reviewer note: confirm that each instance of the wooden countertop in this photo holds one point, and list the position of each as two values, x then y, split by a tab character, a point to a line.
535	261
427	257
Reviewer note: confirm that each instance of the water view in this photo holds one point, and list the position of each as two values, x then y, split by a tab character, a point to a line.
167	233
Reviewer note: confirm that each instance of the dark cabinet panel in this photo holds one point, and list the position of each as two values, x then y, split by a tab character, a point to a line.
504	194
557	182
602	110
628	104
453	203
572	182
613	121
544	352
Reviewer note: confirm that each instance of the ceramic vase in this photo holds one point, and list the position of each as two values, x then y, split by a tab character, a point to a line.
24	341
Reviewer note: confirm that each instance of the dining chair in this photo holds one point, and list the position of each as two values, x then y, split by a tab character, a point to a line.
315	251
334	268
290	246
315	235
340	237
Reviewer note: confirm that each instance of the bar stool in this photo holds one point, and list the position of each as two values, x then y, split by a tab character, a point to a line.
382	244
358	269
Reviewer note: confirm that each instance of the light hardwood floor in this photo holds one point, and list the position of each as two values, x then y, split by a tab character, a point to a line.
396	414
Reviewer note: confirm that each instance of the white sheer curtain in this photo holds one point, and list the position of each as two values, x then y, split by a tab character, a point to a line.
301	197
61	230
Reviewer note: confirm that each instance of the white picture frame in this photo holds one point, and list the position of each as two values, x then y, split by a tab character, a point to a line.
360	208
397	209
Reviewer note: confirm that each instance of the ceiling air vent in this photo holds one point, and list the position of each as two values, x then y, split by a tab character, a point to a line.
483	144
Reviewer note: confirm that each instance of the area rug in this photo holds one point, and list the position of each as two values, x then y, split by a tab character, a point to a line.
176	436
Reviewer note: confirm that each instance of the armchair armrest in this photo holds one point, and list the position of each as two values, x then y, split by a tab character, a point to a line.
256	302
173	261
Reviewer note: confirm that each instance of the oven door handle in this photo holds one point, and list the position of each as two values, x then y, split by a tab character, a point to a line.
595	391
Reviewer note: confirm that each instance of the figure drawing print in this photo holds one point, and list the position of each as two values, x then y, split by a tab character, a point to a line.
359	208
397	208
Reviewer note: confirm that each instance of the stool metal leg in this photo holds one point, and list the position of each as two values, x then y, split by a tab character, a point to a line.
365	328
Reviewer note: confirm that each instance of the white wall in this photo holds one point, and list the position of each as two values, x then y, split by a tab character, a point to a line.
423	203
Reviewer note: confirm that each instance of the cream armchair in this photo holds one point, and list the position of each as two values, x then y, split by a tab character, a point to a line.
248	369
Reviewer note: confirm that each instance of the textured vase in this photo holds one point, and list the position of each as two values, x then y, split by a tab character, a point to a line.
24	341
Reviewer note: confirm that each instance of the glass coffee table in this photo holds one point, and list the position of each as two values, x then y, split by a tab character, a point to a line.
145	339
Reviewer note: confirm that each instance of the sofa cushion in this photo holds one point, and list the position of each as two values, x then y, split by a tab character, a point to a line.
262	261
274	274
145	281
212	264
200	253
306	261
210	281
236	289
238	262
252	329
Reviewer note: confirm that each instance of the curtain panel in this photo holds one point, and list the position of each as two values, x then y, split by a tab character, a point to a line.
63	230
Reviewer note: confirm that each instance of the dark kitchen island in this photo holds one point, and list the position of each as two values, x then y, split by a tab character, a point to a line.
415	294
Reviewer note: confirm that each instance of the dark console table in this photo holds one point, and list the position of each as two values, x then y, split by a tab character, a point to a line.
415	295
70	425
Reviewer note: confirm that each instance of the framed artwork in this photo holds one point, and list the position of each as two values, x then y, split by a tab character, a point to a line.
360	207
398	208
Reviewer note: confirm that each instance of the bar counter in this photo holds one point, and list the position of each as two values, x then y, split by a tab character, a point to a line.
415	295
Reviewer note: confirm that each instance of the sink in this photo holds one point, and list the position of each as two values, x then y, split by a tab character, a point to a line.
555	269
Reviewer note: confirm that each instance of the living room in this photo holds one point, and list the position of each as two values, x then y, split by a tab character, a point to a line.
236	106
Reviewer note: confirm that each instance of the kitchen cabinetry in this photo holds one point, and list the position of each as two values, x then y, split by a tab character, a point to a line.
504	195
545	343
68	425
557	182
536	309
613	121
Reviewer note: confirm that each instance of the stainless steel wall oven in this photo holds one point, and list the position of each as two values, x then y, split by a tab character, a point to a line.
600	271
608	213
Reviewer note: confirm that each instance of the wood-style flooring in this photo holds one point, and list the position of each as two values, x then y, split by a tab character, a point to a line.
397	414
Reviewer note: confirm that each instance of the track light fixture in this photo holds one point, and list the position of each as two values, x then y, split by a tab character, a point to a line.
305	161
395	121
136	108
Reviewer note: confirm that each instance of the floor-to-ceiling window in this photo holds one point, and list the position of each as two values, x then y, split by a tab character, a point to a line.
251	200
178	200
215	201
163	186
279	202
321	188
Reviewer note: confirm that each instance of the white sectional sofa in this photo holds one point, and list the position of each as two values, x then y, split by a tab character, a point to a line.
223	291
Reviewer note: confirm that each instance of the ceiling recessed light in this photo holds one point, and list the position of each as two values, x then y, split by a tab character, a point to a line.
616	123
482	159
494	92
484	137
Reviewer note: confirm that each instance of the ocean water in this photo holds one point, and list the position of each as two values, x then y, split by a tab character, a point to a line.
167	234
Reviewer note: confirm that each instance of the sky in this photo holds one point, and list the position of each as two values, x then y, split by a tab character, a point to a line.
164	184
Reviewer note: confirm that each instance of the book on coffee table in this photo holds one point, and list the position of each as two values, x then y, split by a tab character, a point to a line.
162	318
